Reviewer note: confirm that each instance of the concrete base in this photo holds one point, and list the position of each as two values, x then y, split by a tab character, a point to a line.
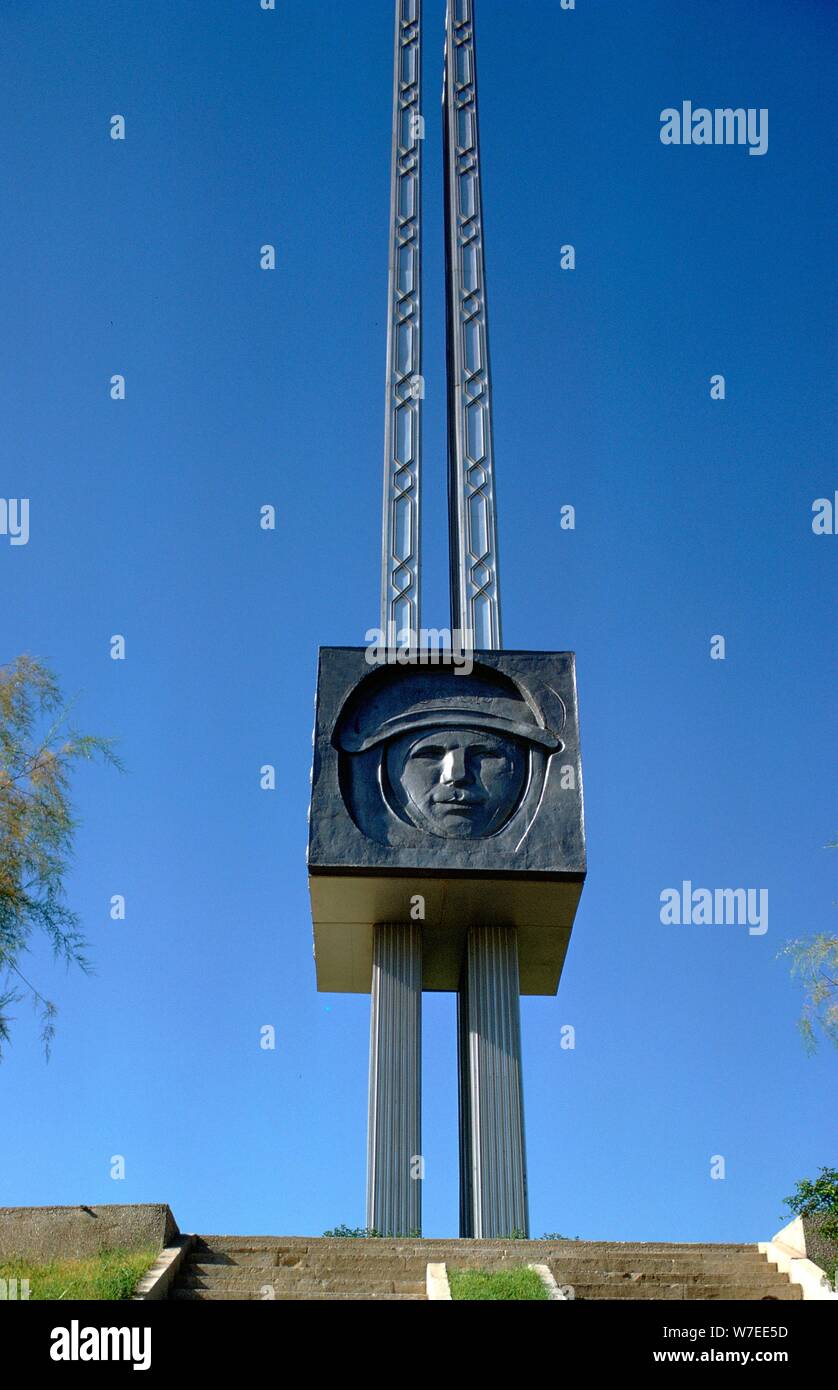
787	1250
157	1283
436	1284
345	907
41	1234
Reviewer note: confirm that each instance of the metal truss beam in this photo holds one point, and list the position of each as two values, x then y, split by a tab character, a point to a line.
473	545
405	386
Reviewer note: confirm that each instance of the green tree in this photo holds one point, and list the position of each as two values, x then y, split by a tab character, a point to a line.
820	1198
814	961
38	750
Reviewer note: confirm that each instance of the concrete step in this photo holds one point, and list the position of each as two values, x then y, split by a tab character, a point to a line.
746	1274
738	1264
243	1259
349	1269
335	1283
293	1245
231	1275
390	1269
588	1292
564	1272
747	1265
237	1296
318	1261
710	1293
381	1289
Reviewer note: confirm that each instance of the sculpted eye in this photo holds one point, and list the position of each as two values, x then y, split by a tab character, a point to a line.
429	753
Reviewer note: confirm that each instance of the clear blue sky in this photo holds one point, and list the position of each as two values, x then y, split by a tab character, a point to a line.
246	387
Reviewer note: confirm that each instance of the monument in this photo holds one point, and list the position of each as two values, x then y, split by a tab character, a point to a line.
446	842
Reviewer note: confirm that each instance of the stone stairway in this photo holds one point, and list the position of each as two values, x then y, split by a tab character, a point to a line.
299	1268
303	1269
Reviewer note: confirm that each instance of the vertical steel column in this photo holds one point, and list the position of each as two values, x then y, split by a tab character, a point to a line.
493	1174
493	1182
473	545
394	1132
394	1145
405	388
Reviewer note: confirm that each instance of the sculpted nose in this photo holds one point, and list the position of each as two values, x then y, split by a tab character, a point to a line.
454	767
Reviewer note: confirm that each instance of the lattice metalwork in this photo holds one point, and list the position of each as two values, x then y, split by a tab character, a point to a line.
475	595
405	387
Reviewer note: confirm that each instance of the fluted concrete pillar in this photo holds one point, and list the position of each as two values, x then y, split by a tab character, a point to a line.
493	1176
394	1132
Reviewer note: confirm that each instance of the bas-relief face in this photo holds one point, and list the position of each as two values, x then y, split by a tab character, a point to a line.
462	784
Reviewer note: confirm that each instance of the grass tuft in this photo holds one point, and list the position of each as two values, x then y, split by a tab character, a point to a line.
110	1275
508	1284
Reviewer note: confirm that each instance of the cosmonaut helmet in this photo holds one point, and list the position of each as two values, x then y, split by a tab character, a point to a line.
443	701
